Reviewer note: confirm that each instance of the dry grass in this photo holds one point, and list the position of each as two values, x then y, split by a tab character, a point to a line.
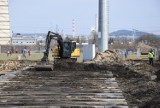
134	57
33	57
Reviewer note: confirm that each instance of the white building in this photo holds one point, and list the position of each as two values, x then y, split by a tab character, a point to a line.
5	33
28	39
23	40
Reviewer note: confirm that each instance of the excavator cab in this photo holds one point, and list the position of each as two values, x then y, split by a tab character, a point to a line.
67	49
70	52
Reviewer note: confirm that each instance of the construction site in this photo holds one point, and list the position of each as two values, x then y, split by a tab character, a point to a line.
107	81
69	75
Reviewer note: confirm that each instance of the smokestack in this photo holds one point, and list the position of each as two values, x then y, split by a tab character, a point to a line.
103	31
73	28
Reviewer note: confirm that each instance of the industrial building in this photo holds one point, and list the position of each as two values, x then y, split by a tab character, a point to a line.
28	39
23	40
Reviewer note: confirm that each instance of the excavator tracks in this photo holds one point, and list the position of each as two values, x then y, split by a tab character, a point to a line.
55	89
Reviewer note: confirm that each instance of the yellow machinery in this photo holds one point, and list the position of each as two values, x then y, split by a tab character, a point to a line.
63	51
70	52
74	54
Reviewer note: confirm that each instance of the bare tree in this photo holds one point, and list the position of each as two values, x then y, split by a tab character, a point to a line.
94	38
149	39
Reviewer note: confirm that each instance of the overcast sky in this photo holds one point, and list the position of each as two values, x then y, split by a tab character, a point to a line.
39	16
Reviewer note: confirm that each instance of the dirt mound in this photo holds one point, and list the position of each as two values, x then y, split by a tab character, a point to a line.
68	66
154	103
79	66
158	75
142	68
138	83
108	57
100	62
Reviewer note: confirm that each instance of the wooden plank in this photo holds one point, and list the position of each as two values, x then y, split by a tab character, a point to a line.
92	89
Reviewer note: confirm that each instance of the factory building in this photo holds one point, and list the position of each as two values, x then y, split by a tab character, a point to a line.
28	39
22	40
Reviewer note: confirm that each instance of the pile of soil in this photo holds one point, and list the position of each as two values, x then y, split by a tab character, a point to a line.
142	68
100	62
107	57
137	84
79	66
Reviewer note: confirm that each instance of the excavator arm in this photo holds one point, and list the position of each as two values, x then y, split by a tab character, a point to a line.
50	36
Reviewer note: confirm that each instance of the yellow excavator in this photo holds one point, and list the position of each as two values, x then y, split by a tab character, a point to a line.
64	51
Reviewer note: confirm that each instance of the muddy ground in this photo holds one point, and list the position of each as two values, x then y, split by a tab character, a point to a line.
139	87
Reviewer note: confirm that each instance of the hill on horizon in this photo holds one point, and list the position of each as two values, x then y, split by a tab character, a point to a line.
127	33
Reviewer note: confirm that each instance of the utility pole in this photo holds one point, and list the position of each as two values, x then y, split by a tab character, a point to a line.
56	29
133	35
73	28
96	23
103	30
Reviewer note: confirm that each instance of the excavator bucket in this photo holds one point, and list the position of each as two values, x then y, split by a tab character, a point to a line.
44	64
